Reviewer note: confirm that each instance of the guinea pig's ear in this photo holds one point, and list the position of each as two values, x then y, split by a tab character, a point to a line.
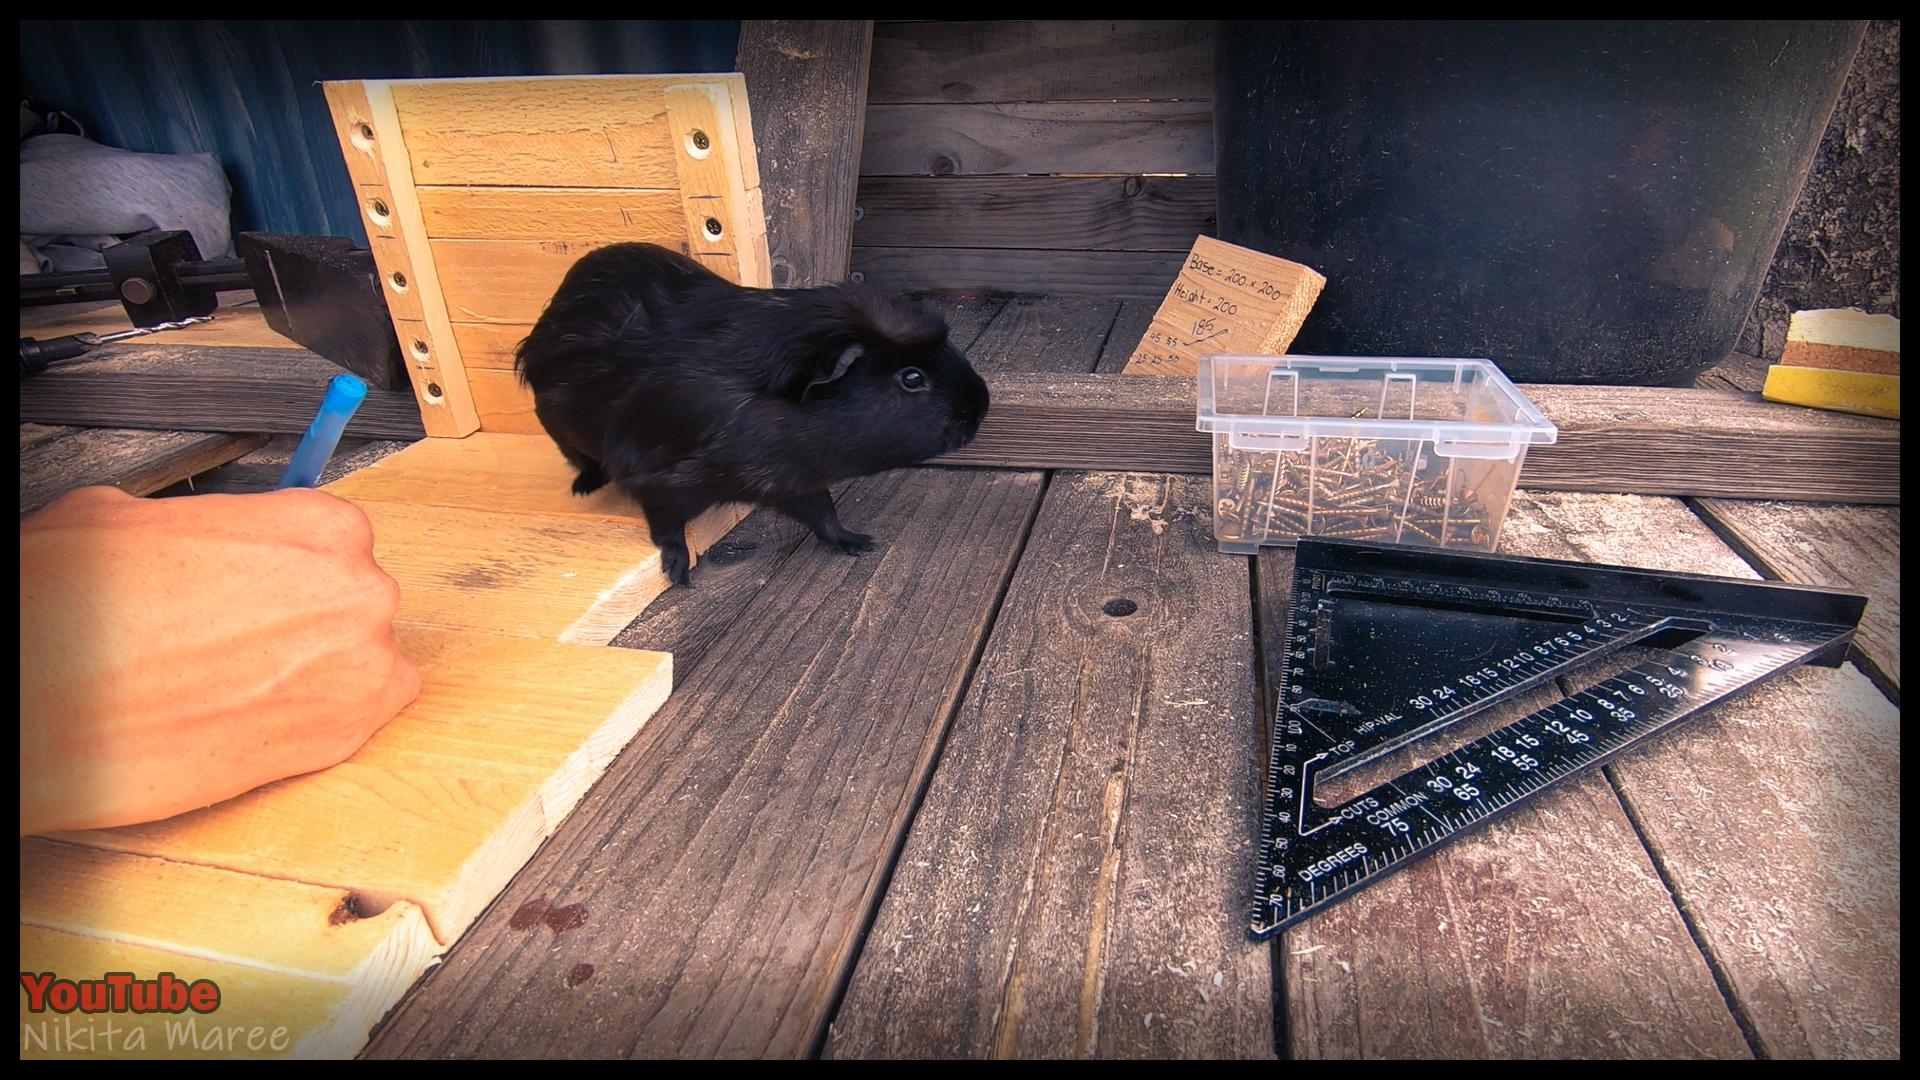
847	356
812	368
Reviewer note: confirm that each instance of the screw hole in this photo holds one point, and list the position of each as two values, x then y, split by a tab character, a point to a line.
419	348
857	278
433	391
399	281
377	210
698	145
362	136
1120	607
713	228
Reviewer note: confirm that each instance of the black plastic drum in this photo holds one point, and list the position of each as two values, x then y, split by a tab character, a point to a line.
1579	202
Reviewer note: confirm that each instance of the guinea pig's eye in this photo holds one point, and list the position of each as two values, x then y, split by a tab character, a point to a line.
913	379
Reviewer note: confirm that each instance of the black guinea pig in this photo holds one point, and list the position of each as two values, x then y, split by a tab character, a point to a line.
687	391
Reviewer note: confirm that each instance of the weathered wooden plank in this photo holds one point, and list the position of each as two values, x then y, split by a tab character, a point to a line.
1644	439
1737	372
1845	547
443	804
1075	881
238	322
967	315
136	462
1548	934
1043	335
1115	213
1095	138
722	875
1648	440
1135	316
808	80
1768	816
207	403
262	469
1020	270
1041	60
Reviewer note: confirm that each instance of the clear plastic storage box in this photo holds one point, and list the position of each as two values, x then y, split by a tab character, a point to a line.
1398	451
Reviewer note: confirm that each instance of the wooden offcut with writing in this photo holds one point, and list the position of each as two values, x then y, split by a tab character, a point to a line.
1227	299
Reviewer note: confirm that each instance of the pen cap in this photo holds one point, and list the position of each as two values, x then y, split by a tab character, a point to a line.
344	395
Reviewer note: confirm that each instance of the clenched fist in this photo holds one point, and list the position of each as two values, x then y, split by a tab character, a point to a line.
177	652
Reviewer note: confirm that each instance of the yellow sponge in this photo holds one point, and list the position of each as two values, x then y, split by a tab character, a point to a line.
1842	391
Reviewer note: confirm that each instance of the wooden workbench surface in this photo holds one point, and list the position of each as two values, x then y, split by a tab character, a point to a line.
935	801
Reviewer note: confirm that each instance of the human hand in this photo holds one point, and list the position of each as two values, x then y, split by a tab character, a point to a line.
177	652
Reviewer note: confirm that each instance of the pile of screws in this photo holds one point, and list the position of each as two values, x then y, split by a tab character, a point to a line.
1347	489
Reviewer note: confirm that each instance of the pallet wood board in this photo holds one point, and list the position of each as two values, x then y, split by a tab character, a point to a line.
136	462
1041	60
479	194
237	322
1074	882
809	78
1845	547
207	403
1090	138
1644	440
1055	271
1227	299
1790	884
1107	213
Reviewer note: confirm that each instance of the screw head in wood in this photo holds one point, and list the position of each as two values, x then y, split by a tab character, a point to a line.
713	227
700	140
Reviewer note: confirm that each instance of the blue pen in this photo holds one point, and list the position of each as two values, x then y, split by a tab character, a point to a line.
344	395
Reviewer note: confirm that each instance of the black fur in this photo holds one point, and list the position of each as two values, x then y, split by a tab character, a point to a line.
687	391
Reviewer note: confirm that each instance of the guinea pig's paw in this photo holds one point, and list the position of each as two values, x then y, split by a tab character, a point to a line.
677	566
853	543
590	480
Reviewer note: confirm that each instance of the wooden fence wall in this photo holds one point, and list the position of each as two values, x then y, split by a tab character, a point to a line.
1044	157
